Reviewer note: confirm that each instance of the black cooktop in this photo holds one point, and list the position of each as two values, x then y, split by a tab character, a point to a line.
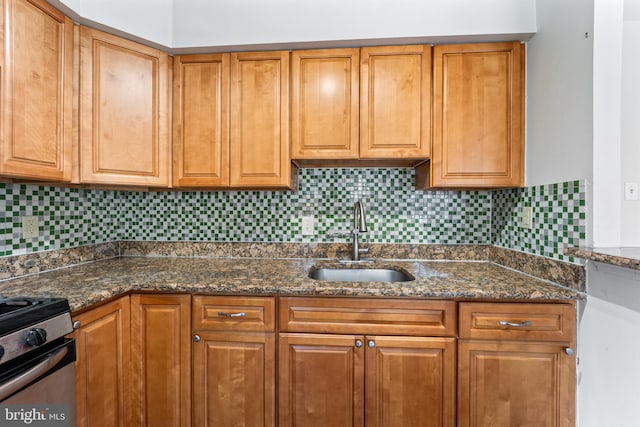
21	312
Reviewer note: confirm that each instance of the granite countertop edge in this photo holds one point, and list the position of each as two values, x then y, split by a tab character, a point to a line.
88	285
628	257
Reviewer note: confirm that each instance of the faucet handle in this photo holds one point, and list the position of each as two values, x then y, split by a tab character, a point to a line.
363	250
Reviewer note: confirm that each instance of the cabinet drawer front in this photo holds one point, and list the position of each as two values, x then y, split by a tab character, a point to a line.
548	322
368	316
233	313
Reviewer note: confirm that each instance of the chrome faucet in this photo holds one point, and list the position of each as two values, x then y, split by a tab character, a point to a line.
359	226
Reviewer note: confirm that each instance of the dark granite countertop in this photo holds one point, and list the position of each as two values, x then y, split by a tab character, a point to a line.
89	284
628	257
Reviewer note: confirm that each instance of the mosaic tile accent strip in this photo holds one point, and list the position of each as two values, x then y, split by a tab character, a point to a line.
559	219
396	213
67	217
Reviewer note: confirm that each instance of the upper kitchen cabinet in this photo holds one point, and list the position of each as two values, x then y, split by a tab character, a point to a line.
124	112
395	102
201	120
325	104
361	107
259	149
36	60
478	117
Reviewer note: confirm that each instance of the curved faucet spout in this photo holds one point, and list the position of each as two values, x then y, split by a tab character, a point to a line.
359	219
359	226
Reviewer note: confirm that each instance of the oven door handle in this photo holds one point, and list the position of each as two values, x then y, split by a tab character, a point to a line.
16	383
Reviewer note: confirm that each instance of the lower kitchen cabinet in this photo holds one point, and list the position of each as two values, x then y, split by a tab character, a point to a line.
161	360
103	364
516	365
203	360
234	379
320	380
234	361
356	380
366	361
410	381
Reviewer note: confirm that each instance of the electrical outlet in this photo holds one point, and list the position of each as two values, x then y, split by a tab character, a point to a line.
308	225
527	217
631	191
29	227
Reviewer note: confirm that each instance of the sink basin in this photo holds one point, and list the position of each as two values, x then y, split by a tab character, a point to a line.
360	275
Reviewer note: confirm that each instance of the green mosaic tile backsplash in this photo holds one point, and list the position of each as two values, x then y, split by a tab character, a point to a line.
396	213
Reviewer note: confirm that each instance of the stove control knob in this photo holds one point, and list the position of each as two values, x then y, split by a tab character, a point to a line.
36	337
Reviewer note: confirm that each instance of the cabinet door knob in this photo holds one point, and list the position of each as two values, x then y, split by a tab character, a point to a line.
358	343
196	338
569	351
371	344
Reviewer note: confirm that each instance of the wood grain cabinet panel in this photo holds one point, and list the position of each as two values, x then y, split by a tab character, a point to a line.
103	365
410	381
234	313
478	117
36	60
124	112
161	360
328	378
260	155
234	379
395	102
320	380
325	104
368	315
510	384
234	361
519	368
201	120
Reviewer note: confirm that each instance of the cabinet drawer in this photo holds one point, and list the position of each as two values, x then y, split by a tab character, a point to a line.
517	321
233	313
368	316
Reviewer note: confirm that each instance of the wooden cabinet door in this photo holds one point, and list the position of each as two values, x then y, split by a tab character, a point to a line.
124	106
260	152
395	102
234	379
201	120
478	115
410	381
103	365
515	384
325	104
36	55
320	380
161	358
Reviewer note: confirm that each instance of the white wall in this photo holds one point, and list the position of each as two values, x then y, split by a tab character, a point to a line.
630	124
248	22
560	93
243	24
607	72
609	349
144	20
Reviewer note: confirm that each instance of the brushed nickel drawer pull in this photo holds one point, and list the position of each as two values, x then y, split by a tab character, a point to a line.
223	314
516	325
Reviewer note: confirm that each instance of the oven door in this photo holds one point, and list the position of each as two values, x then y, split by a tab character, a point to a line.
46	379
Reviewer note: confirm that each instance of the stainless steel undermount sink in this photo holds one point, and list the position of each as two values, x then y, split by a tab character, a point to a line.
360	275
